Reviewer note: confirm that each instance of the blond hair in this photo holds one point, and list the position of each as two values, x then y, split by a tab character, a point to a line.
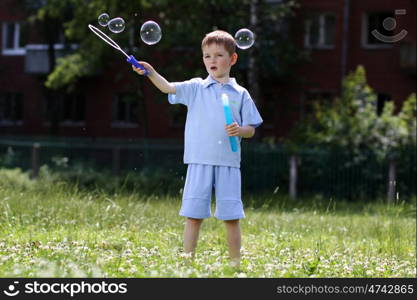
220	37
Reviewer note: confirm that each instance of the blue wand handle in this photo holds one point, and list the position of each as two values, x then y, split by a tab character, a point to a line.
134	62
229	120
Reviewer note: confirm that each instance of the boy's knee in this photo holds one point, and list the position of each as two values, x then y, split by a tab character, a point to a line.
231	222
195	221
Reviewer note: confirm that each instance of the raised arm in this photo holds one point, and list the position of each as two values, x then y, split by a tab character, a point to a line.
158	80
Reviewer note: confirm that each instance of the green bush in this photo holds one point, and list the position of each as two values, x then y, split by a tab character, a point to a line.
16	179
352	123
145	181
351	145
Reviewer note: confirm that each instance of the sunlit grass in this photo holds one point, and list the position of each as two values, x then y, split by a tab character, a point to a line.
59	231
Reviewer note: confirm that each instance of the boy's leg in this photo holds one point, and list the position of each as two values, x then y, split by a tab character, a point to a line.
229	207
234	241
191	231
196	202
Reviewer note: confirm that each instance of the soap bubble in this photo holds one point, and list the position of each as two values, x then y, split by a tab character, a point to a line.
117	25
150	33
103	19
244	38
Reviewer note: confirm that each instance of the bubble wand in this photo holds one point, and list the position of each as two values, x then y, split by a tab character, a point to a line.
131	59
229	120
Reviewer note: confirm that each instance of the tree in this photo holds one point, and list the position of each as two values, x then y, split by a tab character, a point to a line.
351	125
184	24
352	121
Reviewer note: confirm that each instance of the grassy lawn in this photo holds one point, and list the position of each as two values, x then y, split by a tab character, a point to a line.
53	230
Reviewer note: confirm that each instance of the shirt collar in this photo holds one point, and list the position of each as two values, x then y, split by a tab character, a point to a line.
210	80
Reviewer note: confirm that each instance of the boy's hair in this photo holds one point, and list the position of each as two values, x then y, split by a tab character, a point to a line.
222	38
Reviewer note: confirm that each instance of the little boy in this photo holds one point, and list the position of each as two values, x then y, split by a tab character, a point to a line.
211	162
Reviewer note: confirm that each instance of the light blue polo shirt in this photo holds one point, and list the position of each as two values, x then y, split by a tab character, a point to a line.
205	139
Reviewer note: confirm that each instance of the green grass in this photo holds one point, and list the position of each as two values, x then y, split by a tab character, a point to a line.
54	230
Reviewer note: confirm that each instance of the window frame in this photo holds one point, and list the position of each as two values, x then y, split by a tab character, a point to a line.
123	123
65	122
322	26
11	122
16	50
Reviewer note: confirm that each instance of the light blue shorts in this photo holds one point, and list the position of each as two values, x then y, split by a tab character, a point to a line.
200	181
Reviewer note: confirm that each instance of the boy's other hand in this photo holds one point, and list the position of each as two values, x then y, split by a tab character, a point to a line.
233	129
147	66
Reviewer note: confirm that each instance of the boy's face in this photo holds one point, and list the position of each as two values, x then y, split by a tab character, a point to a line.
218	61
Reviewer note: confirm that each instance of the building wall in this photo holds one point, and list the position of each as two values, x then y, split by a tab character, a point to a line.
383	65
323	73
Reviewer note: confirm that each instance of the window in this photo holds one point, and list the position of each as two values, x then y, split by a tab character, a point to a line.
125	110
68	110
320	31
73	108
375	21
14	38
11	109
381	100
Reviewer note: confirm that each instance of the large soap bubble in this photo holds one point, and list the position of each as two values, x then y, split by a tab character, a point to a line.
117	25
244	38
150	33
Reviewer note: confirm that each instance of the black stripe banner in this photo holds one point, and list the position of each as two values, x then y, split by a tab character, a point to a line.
218	288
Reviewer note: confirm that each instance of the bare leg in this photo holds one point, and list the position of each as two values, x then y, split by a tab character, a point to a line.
234	241
191	231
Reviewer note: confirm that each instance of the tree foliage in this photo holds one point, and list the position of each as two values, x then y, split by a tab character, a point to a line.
352	123
184	23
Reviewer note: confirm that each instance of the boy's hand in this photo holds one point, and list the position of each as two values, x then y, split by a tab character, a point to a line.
147	66
233	129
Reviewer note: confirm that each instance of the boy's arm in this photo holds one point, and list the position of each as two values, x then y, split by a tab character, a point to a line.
159	81
245	131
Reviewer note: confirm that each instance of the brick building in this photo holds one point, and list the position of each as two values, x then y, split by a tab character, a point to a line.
337	34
